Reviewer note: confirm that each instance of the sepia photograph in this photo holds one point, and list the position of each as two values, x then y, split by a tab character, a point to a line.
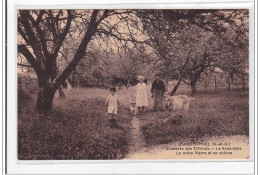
133	84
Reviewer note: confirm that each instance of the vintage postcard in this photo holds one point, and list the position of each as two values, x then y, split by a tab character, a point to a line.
133	84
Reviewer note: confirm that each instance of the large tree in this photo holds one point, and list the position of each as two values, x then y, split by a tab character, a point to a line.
55	41
41	35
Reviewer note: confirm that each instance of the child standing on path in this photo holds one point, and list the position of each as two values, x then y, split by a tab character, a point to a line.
112	102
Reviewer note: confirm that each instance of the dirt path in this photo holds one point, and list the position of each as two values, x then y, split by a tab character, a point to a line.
137	139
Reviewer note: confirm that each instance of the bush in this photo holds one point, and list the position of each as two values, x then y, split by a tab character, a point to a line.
27	86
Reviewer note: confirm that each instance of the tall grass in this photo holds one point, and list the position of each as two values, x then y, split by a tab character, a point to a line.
212	113
77	128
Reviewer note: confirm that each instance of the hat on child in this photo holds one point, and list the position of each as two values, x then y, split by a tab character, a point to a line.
140	78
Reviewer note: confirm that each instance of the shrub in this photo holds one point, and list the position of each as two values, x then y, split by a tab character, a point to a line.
27	86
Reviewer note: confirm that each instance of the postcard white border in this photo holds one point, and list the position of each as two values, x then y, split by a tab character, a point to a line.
121	166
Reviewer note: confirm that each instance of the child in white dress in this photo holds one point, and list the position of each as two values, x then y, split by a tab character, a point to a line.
141	96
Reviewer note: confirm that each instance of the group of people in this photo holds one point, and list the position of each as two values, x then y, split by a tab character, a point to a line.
157	90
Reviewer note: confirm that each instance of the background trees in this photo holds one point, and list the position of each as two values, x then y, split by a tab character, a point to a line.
102	45
189	42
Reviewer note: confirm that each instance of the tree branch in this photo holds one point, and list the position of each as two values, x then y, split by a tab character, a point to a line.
21	32
24	65
30	58
80	52
32	39
63	35
41	35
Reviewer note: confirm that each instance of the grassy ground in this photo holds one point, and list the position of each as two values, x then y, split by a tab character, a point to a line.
77	128
212	113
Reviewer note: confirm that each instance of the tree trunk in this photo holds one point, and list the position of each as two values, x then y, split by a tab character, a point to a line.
166	82
176	86
45	95
216	87
208	79
44	99
229	88
205	86
183	72
77	82
193	88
